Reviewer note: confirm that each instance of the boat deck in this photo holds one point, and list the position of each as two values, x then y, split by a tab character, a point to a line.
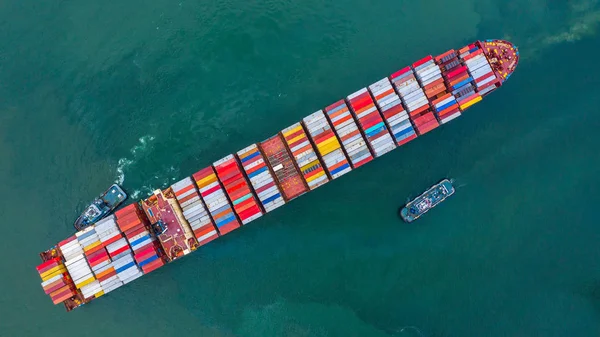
502	55
174	240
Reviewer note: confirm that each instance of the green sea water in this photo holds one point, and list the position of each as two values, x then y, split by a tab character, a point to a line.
147	92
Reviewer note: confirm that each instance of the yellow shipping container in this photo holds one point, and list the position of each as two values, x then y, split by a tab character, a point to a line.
100	293
207	180
466	105
52	271
289	132
92	246
329	148
85	282
295	139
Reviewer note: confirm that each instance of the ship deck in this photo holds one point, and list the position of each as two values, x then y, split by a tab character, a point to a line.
173	240
502	55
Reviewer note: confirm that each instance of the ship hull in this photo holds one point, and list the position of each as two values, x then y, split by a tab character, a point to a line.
101	207
435	195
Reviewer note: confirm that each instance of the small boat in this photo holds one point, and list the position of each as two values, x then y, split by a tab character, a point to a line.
101	207
426	201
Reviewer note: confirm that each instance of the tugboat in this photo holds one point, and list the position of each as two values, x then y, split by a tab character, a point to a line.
426	201
101	207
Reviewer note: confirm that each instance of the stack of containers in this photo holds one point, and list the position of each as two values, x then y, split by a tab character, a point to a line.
458	79
352	140
77	265
236	186
260	177
481	71
393	112
445	106
327	144
96	257
146	252
286	174
430	77
108	232
194	211
84	278
215	200
414	100
305	156
370	121
55	281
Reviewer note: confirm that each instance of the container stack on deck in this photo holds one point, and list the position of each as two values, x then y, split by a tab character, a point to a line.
305	156
215	200
429	75
56	282
328	146
289	180
92	248
237	189
134	224
481	71
77	264
129	220
393	112
260	177
347	131
414	99
370	122
102	265
461	83
194	211
445	105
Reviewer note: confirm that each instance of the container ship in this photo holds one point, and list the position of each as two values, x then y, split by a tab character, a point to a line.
241	187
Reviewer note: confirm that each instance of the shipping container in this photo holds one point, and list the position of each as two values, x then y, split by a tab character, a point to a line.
195	211
392	111
287	176
479	68
305	156
327	144
347	131
414	98
215	200
237	188
260	177
370	122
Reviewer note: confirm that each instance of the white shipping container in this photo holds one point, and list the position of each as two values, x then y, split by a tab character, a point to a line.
223	160
358	93
132	278
51	280
209	186
449	118
367	112
252	218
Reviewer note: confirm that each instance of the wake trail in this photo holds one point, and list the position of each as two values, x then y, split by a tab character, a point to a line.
137	152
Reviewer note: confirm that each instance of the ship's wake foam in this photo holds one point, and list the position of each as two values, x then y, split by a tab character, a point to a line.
137	151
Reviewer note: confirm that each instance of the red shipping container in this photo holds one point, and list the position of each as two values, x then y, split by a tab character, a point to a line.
422	61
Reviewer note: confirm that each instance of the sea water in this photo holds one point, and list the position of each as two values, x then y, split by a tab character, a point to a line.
147	92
